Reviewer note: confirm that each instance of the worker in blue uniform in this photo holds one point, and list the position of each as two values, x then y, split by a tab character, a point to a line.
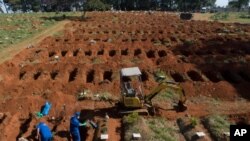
43	132
74	126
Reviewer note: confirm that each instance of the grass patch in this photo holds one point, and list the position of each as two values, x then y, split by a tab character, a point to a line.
188	43
156	129
217	125
167	95
97	61
17	27
240	17
162	130
220	16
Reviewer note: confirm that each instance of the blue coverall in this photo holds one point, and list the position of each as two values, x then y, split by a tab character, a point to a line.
74	127
44	131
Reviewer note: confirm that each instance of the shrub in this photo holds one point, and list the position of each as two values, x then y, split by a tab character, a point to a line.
131	118
193	121
97	5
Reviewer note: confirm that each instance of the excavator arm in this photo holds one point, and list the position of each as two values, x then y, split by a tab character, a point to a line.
171	85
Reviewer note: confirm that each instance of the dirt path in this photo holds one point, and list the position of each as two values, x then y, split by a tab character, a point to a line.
202	16
12	50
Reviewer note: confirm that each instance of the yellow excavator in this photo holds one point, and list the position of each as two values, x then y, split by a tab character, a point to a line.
133	98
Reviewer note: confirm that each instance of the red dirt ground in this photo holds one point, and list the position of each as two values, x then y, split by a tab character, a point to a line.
209	59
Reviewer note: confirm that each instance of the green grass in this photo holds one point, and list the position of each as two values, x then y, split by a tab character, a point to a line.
151	129
217	125
162	130
17	27
240	17
167	95
220	16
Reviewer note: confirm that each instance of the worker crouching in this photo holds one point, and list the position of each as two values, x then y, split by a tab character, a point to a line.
74	126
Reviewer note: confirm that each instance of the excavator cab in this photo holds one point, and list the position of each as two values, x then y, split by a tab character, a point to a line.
131	87
133	98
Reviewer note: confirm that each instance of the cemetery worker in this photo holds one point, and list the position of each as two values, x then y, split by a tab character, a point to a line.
43	132
74	126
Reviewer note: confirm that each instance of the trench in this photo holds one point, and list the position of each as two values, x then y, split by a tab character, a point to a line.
107	75
24	126
3	118
212	76
52	53
21	75
124	40
73	74
112	53
37	75
137	52
53	74
38	51
76	52
144	76
244	75
230	77
195	76
162	53
177	77
151	54
124	52
64	52
100	52
88	53
90	76
185	52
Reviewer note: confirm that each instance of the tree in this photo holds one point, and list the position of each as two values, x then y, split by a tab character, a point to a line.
1	2
13	4
238	4
96	5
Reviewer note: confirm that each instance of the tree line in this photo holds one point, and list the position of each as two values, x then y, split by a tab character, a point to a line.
101	5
